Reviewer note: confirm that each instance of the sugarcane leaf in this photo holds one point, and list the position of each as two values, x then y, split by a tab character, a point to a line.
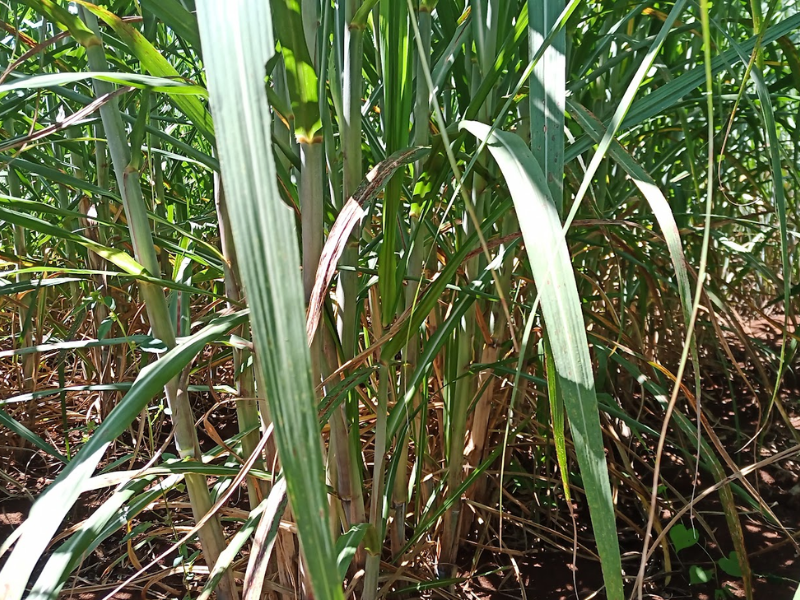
158	84
177	17
91	533
548	88
264	231
265	518
654	196
154	62
264	541
26	434
348	543
672	92
549	259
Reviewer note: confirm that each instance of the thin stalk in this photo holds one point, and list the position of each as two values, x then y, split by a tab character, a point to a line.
29	361
352	170
310	192
246	406
127	175
347	287
376	508
281	124
394	37
415	265
460	401
102	357
158	192
63	200
484	31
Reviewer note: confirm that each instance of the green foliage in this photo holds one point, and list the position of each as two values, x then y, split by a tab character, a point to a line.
682	537
533	168
730	565
699	575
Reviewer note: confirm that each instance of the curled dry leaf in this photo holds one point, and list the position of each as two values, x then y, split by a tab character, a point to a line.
352	212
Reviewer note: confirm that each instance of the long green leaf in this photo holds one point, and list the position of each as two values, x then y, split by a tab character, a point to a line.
240	33
177	17
395	54
301	78
159	84
15	426
271	509
548	91
91	533
671	93
653	195
561	308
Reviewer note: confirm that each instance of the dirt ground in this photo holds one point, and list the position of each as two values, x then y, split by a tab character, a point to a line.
531	569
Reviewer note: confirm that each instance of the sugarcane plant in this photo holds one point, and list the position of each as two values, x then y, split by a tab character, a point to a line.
448	265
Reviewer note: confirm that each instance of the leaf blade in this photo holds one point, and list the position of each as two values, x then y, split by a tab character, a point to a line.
555	281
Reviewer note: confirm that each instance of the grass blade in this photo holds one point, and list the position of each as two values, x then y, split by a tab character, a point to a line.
555	282
264	232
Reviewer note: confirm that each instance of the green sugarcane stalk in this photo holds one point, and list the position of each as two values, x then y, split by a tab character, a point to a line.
484	30
349	478
415	266
127	175
29	361
376	507
303	88
246	401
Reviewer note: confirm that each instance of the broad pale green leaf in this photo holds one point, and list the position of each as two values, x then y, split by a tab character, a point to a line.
552	271
548	86
240	34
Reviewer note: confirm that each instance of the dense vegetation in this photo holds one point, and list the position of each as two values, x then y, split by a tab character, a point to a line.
372	296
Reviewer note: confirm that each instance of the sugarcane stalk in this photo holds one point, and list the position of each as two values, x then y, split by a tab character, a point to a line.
484	31
127	175
415	267
28	361
246	405
350	484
